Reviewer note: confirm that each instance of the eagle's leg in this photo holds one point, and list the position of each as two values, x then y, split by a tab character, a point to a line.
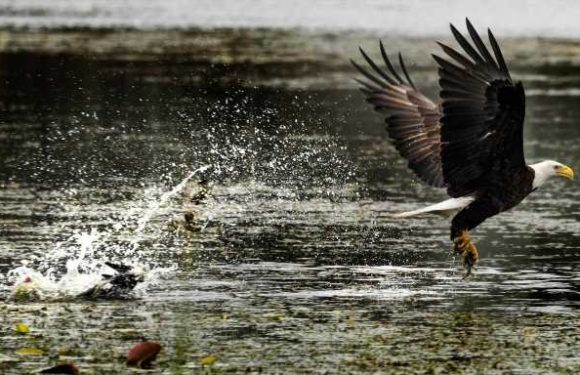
471	216
465	247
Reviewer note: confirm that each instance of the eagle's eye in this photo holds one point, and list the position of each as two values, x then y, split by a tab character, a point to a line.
556	167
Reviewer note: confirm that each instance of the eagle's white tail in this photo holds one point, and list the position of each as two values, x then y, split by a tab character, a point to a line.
445	208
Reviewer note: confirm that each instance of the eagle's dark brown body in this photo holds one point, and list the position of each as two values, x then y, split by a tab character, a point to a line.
494	199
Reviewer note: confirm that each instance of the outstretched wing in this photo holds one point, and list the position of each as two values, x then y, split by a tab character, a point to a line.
483	114
412	119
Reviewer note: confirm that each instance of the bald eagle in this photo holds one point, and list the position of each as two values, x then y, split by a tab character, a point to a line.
471	143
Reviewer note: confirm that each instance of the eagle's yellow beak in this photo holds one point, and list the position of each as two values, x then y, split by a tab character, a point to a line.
565	171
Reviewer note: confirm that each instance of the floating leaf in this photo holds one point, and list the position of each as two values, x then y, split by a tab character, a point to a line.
209	360
22	328
143	353
66	368
30	351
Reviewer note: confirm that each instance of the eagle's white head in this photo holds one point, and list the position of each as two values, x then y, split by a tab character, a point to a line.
550	168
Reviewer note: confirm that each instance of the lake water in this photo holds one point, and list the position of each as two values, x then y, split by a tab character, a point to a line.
293	264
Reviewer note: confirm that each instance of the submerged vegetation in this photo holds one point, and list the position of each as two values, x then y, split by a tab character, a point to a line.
335	335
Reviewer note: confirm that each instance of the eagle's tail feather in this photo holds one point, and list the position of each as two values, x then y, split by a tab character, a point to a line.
445	208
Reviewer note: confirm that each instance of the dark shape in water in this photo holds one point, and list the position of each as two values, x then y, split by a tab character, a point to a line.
117	285
202	193
66	368
472	144
195	196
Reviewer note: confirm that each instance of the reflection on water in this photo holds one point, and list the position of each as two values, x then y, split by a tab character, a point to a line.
293	258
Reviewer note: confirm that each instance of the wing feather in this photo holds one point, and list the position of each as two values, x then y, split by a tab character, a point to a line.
480	46
388	63
498	54
404	69
412	119
467	46
483	113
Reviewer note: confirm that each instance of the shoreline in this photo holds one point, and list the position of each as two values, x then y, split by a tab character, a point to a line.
178	41
269	57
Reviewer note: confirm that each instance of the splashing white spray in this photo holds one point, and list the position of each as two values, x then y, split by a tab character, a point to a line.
84	271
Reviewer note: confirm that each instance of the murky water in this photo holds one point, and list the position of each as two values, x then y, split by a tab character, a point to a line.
292	264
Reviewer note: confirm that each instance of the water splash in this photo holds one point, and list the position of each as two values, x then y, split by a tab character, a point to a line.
156	207
85	254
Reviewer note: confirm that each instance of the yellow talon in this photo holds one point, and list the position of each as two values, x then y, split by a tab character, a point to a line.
466	248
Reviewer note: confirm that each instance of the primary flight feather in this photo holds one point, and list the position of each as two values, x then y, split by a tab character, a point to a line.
471	143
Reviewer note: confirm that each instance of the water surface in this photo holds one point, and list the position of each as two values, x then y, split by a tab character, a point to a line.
293	264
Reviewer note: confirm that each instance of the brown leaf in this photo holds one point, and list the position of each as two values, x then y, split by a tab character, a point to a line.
143	353
66	368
